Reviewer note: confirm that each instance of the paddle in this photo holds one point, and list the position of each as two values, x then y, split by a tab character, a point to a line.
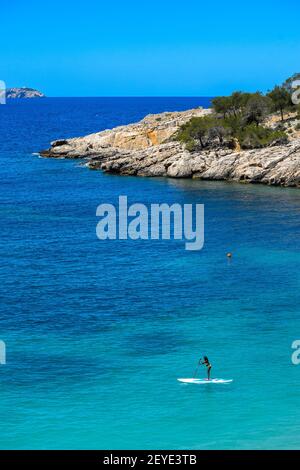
196	371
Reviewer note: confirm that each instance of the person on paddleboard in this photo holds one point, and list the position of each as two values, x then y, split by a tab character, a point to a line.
206	363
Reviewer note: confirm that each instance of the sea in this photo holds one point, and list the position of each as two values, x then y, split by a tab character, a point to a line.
95	333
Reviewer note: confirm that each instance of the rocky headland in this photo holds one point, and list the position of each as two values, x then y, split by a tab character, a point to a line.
148	148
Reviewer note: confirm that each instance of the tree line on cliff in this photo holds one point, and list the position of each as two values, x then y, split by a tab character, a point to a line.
239	121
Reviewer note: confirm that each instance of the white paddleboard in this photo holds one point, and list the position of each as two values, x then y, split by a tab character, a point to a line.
205	381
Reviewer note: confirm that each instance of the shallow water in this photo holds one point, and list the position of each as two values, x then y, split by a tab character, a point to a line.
98	332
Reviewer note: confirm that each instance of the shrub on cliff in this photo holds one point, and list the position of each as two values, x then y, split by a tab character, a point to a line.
222	105
211	131
233	105
234	124
257	108
196	132
281	99
256	136
219	132
253	106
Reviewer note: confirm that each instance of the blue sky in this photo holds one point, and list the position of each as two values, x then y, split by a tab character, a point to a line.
156	48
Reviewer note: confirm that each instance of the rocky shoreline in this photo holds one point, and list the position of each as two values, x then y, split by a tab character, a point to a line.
146	148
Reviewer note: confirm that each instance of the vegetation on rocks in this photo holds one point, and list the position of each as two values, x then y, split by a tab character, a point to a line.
281	100
241	120
151	148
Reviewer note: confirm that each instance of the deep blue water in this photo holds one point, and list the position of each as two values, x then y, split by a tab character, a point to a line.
98	331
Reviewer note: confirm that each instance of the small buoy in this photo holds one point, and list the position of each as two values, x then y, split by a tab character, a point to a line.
229	255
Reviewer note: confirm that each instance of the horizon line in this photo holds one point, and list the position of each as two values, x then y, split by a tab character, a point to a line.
128	96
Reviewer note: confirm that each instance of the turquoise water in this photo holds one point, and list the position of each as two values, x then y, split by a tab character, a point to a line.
98	332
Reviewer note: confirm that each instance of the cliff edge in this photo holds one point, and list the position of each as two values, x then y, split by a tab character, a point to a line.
146	148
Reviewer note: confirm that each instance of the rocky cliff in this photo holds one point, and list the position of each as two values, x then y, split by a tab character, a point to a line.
146	149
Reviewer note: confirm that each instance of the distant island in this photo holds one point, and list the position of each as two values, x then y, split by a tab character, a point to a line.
245	137
23	92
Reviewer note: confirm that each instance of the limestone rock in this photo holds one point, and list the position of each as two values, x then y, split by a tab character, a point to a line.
146	148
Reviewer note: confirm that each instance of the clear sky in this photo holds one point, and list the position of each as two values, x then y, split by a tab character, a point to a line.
155	48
